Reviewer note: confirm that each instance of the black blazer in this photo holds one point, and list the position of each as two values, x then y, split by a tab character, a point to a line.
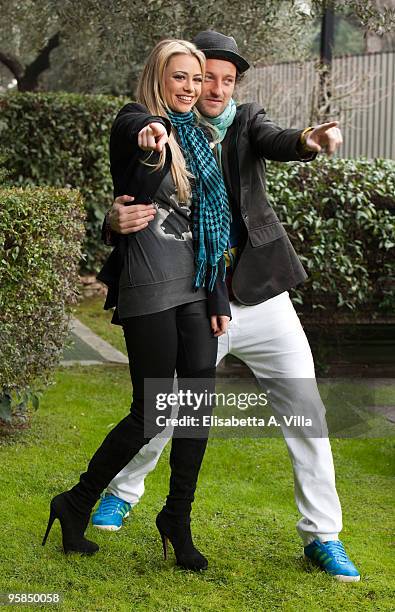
267	264
131	177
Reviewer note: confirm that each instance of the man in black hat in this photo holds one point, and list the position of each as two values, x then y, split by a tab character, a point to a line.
265	331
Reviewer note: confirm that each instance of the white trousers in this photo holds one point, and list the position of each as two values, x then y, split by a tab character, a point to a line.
270	340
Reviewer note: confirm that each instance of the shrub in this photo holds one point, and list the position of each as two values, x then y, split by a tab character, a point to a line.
40	234
61	140
338	216
4	173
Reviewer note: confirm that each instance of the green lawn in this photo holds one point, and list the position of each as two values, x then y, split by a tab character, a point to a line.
244	518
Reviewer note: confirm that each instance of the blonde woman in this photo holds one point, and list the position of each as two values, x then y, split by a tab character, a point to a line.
159	280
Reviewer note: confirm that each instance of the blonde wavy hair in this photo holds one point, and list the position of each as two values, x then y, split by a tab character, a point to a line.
151	93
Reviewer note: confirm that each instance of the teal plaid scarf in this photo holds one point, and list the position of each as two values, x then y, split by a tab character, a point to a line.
210	209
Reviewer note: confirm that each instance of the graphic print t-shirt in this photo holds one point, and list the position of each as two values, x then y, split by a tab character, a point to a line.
159	269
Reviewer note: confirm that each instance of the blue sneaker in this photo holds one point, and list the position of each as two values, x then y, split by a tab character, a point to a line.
110	513
332	558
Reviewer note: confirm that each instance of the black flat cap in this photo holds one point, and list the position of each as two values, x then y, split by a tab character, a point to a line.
218	46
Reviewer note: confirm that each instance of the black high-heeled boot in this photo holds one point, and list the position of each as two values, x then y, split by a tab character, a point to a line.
179	534
73	526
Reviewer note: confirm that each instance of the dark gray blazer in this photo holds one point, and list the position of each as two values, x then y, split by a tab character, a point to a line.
267	264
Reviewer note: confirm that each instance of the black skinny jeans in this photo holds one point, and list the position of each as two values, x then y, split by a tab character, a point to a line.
178	339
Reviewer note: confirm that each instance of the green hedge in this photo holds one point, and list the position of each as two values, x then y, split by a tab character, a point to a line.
41	230
336	211
61	140
339	216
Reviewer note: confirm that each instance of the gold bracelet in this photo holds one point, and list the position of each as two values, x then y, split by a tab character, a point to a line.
303	136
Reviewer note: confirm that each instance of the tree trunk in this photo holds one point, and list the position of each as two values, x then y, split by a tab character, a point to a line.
28	76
